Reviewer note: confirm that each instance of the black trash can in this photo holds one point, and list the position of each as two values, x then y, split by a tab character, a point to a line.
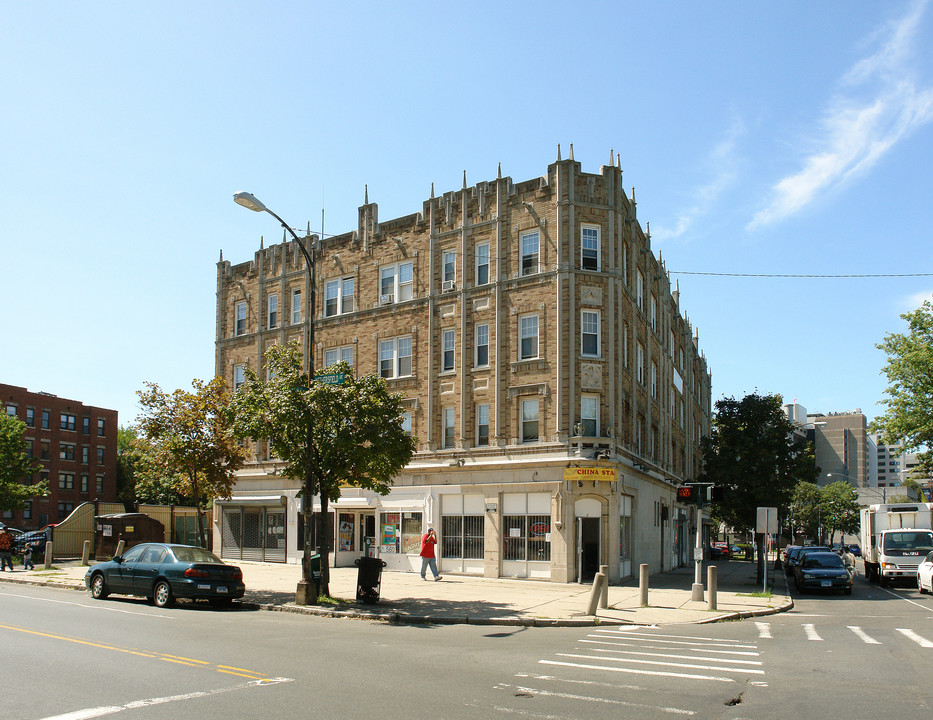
368	579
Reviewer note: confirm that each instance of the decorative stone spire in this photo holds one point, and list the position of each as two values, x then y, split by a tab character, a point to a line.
366	195
499	172
558	152
432	191
464	179
611	156
571	151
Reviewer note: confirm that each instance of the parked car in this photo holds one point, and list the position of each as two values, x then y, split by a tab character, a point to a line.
822	570
787	551
37	538
163	572
855	549
718	550
925	574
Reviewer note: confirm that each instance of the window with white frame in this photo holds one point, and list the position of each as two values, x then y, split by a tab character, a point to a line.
100	427
396	283
589	247
395	357
67	421
640	363
640	290
406	423
589	415
526	526
482	424
66	481
449	268
273	312
463	527
239	311
448	344
296	307
334	355
625	344
528	337
481	344
338	296
530	251
589	333
653	313
448	418
239	376
529	421
482	263
84	483
653	379
639	433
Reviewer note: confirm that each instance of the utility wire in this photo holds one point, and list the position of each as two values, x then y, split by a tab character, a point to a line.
773	275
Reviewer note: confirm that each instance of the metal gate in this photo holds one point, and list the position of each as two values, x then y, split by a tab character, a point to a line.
252	533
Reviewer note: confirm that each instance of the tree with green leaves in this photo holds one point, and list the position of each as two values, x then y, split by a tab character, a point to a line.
753	455
839	509
191	440
908	416
804	511
328	436
16	467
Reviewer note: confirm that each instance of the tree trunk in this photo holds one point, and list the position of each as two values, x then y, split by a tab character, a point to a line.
760	544
323	543
197	507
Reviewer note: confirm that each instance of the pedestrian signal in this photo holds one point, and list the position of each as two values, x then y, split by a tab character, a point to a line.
687	493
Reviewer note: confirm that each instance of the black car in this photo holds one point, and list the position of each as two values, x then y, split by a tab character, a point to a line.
163	572
822	570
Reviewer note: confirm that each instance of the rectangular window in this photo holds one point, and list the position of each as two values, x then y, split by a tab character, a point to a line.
528	337
589	415
43	449
100	484
46	419
482	424
240	314
85	455
640	363
395	357
86	425
529	421
84	483
449	346
340	354
524	537
66	481
11	410
589	333
100	455
640	290
406	423
239	376
66	451
530	247
653	313
396	283
449	267
338	296
462	536
296	307
100	427
482	263
448	416
481	336
589	247
273	312
27	510
67	421
64	510
653	380
30	417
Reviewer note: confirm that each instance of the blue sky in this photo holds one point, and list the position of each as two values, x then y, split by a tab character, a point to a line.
790	138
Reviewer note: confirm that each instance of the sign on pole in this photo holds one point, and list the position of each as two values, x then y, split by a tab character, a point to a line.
767	520
331	379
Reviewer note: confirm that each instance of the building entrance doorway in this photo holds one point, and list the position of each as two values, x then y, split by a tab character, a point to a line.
587	548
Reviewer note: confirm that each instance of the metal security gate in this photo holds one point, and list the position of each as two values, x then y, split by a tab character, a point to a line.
252	533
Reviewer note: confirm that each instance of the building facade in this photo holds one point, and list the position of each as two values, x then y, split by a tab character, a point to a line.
77	446
554	387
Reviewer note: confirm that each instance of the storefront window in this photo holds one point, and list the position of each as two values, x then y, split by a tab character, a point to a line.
526	537
401	533
462	536
346	533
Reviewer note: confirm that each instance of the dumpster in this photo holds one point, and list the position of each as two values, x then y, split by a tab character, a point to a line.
132	528
368	579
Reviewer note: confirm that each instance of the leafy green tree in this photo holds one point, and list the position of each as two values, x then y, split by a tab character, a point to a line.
804	516
16	467
908	416
839	510
752	453
191	441
327	436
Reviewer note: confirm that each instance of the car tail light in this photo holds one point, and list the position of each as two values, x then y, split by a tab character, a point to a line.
196	573
237	574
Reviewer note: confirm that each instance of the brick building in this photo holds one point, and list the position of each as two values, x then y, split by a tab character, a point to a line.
77	445
555	388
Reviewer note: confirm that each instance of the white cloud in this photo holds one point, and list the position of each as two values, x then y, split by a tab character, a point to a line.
857	131
914	301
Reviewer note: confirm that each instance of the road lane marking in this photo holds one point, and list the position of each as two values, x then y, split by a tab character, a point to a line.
588	698
748	653
89	713
95	606
690	666
921	641
861	634
764	630
571	681
682	657
901	597
811	632
637	671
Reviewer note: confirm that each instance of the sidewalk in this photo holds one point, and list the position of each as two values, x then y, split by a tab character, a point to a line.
406	598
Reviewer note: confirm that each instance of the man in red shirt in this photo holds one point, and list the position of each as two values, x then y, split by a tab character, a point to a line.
428	558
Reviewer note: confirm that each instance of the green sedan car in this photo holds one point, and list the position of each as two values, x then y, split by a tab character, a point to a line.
163	572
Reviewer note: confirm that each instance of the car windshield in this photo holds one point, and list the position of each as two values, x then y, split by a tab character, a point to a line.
908	541
823	560
194	554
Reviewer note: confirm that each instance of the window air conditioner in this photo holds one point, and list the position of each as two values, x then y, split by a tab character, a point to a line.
386	299
448	285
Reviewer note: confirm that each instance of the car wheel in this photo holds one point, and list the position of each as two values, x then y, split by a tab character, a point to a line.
99	589
162	594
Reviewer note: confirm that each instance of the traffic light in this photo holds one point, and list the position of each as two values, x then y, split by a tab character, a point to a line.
687	493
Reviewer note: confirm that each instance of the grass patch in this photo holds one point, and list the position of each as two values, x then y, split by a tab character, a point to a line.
765	594
328	600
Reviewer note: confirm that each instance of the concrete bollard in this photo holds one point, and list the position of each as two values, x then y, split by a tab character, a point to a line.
604	595
86	553
48	556
711	584
643	584
595	592
120	545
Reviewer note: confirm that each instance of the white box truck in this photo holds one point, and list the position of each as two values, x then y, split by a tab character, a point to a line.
895	539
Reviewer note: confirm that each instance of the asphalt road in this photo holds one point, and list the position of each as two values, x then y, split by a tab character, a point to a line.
860	656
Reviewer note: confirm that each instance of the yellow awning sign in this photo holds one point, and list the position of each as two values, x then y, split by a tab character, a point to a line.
591	473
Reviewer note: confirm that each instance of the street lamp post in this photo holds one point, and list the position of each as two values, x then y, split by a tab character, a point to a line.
307	587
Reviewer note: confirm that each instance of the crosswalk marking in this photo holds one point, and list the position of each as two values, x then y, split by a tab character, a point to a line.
811	632
747	653
689	666
764	630
862	635
588	698
921	641
681	657
611	634
637	671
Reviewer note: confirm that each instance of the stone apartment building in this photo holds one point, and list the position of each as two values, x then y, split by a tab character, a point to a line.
77	446
553	384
